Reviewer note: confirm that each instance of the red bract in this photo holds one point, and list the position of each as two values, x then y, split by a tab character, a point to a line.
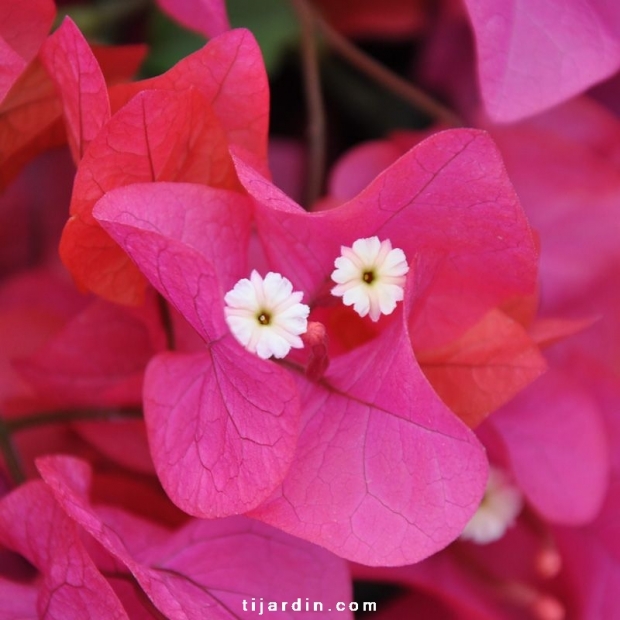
97	361
23	26
30	121
230	73
533	55
179	130
34	306
373	421
17	601
80	82
64	353
485	368
592	554
204	566
98	357
30	113
542	571
436	196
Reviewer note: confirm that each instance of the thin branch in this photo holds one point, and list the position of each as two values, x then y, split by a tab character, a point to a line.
381	74
11	454
95	19
78	415
314	103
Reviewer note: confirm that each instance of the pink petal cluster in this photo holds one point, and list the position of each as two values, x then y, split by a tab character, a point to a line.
137	565
207	447
456	443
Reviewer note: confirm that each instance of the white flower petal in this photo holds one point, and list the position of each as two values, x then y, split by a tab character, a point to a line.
272	297
388	268
498	510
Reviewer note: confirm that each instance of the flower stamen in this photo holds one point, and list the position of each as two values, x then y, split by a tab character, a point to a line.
264	318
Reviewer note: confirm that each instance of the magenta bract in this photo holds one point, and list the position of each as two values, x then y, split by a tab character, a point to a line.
373	420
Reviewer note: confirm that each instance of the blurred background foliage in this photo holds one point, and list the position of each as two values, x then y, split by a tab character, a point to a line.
357	108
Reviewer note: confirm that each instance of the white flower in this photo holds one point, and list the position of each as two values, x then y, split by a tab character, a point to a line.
370	276
500	506
265	316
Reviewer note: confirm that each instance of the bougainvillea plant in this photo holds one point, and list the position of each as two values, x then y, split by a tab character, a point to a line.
307	297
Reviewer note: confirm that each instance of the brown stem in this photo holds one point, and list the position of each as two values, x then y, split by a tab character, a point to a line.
95	19
59	417
382	75
11	454
314	103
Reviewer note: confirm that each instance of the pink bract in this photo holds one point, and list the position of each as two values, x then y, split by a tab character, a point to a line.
533	55
205	16
203	565
34	525
372	421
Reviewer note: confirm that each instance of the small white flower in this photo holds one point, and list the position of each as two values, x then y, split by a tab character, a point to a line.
500	506
370	276
265	316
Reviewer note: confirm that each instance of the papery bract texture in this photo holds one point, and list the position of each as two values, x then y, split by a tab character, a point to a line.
373	419
222	424
485	368
384	473
158	136
33	524
533	55
230	73
80	83
178	130
205	566
222	429
481	367
435	203
31	112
